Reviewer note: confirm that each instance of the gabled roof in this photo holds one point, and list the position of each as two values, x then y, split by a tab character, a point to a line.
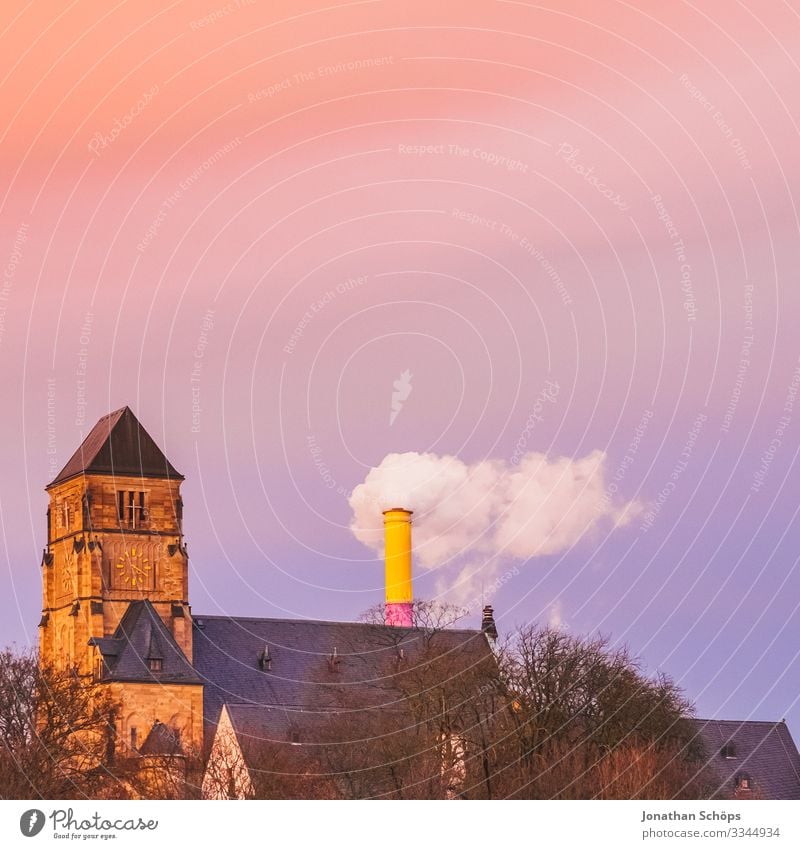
304	681
141	635
764	751
118	445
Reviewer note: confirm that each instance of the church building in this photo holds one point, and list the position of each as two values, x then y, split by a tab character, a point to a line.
116	606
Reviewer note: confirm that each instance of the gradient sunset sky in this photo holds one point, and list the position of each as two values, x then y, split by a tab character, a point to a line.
246	221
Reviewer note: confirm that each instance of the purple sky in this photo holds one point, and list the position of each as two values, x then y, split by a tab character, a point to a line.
303	202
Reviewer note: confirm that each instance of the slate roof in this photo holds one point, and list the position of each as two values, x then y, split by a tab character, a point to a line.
141	635
305	681
765	751
255	725
118	445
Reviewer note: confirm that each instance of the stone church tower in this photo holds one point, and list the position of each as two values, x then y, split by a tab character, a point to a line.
116	579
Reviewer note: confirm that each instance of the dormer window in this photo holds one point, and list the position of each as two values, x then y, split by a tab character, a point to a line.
743	781
156	664
728	751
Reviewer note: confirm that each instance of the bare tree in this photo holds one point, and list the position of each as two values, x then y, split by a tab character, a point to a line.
551	716
584	721
56	733
58	740
430	737
431	616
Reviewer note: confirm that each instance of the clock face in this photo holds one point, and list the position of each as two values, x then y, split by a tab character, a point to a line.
133	568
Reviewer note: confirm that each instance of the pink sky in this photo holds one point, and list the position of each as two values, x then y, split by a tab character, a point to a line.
257	171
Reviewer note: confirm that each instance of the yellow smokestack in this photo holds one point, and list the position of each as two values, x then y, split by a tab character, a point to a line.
399	594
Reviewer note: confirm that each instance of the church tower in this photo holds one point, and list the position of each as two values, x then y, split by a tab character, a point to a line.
114	537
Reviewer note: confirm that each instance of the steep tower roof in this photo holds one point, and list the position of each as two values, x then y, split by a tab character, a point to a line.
118	445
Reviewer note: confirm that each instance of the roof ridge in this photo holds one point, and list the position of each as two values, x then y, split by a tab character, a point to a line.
196	616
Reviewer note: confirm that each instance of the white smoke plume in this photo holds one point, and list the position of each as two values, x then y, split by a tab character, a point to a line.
491	511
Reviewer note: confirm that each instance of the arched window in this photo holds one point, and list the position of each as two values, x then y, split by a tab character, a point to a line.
134	732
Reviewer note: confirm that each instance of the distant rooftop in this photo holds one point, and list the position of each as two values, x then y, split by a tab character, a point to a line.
751	759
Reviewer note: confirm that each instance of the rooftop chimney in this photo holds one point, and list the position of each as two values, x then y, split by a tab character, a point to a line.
488	625
397	528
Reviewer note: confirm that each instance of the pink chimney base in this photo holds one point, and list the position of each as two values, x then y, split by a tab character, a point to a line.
399	614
